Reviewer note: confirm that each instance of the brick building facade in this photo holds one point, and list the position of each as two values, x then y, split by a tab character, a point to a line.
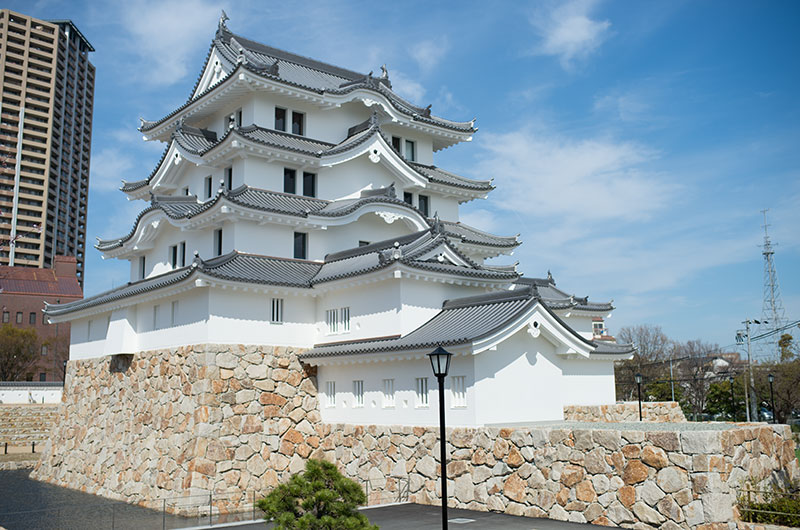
23	292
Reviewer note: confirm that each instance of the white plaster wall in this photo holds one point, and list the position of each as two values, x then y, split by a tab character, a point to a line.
30	394
421	300
269	239
157	258
369	227
423	141
373	311
405	410
581	324
588	382
520	381
344	180
239	317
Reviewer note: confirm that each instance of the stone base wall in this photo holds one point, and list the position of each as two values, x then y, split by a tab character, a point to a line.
238	420
26	424
652	411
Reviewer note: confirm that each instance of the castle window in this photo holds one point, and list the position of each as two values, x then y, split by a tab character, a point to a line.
396	143
218	242
408	197
182	253
209	187
330	394
229	178
388	393
142	265
173	315
173	256
358	393
186	191
239	118
422	392
424	205
411	150
298	123
459	390
300	245
156	316
289	180
338	320
277	311
280	119
309	184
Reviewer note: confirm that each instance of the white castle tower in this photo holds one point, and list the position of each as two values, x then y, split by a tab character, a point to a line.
297	204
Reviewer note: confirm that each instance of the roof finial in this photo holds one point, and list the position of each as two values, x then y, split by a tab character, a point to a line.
384	72
436	227
550	277
223	17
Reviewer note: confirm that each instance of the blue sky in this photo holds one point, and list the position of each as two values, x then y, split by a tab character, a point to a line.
633	144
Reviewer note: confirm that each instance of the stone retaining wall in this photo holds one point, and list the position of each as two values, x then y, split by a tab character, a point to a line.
652	411
241	419
24	424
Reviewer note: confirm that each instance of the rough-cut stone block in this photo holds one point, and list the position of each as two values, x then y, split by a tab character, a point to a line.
647	514
672	479
697	442
654	457
650	493
634	472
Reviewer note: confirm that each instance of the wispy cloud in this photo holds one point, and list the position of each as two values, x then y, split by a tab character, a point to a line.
163	35
591	179
407	87
566	31
429	53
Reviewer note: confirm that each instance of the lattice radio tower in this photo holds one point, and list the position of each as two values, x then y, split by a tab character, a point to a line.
772	313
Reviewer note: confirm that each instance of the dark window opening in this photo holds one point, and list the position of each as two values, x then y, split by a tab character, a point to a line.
411	151
182	253
32	318
424	205
42	376
298	119
209	186
309	184
289	180
218	242
300	245
229	177
239	118
408	197
396	143
280	119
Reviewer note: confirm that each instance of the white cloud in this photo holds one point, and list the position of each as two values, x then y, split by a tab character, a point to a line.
163	35
109	167
429	53
482	219
627	107
582	179
567	32
407	87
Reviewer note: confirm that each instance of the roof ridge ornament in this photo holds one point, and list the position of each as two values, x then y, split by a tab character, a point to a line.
221	26
437	227
197	261
550	277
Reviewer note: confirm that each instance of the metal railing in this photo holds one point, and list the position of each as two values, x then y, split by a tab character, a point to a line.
386	490
769	506
205	510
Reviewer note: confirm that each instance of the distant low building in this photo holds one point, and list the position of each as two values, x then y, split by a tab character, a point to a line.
23	293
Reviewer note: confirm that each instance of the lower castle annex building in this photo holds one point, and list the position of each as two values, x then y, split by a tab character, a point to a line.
297	206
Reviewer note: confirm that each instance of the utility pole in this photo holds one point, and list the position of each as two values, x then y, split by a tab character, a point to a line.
671	379
750	389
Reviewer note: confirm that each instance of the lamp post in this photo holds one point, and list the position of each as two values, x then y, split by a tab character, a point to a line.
639	386
440	362
733	400
772	397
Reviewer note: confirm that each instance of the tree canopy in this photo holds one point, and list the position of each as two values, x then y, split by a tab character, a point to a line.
19	348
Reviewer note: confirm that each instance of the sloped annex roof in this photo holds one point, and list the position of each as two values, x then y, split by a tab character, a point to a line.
187	207
461	321
555	298
36	281
201	141
305	73
236	266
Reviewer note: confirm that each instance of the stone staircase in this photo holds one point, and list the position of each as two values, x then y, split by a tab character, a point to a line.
22	425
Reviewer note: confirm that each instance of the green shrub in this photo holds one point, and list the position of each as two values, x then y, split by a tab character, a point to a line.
320	498
779	506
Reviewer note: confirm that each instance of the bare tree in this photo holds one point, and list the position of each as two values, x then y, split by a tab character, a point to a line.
18	351
652	346
694	368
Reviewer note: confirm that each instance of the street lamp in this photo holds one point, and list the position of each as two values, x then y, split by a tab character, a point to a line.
639	386
440	362
771	379
733	400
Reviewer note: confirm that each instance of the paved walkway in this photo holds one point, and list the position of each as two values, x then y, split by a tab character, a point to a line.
29	504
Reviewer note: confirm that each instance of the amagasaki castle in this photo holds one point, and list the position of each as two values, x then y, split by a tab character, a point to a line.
299	204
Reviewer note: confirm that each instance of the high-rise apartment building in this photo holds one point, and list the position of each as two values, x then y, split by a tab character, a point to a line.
46	104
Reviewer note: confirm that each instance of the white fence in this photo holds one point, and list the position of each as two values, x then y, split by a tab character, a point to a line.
13	392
